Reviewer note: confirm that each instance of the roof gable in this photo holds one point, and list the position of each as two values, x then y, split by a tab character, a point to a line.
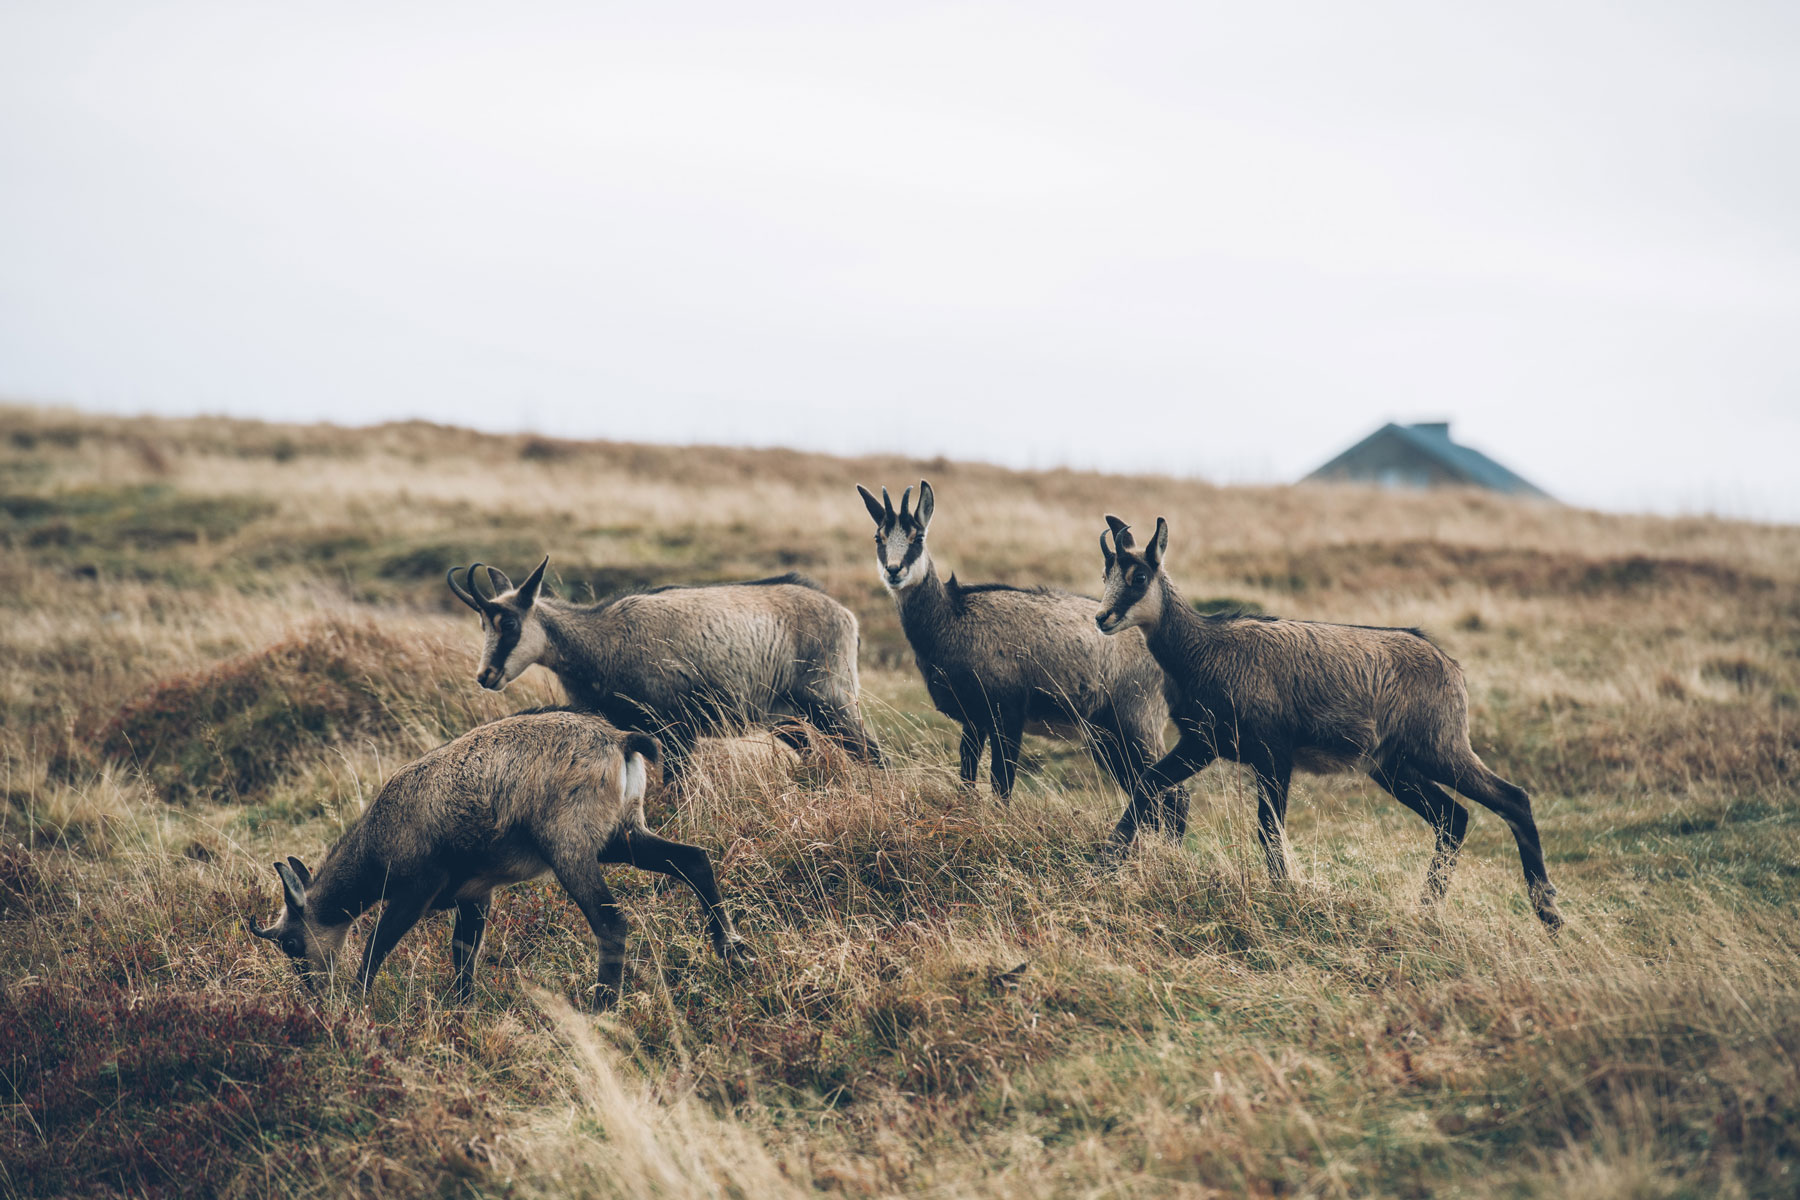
1431	440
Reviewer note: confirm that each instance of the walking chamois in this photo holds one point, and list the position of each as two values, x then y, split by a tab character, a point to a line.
1001	660
1276	695
681	662
543	791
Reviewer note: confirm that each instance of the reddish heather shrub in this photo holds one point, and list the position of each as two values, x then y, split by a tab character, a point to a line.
169	1094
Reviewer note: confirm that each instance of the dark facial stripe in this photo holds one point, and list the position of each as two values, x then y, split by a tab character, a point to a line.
510	629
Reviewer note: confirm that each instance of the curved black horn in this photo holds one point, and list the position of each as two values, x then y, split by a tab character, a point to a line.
1121	532
462	594
887	504
468	594
267	935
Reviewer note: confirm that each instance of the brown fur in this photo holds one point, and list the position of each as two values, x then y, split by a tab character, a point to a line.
554	791
1279	695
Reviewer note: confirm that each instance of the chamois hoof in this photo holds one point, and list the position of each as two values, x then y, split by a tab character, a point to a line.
1109	855
738	956
1543	900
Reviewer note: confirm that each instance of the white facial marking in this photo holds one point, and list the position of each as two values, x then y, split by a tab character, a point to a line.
895	544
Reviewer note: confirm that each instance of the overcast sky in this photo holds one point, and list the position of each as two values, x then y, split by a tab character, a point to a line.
1213	239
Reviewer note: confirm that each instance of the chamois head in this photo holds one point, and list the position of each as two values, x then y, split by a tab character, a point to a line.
312	950
1133	594
900	557
515	636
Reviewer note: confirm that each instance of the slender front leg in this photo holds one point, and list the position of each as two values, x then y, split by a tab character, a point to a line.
465	943
968	753
1191	754
648	852
582	878
1008	734
401	912
1274	767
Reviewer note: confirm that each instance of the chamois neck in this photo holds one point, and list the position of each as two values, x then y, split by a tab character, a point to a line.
1178	628
924	607
346	885
554	616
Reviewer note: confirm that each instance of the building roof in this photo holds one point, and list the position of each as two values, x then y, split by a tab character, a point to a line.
1432	439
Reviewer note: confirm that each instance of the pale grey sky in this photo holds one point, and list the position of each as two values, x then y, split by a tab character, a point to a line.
1213	239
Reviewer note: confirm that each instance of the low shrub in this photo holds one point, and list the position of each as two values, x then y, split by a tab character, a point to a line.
229	731
117	1092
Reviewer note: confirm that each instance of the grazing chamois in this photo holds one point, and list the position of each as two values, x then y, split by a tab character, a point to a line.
1001	660
539	791
681	662
1276	695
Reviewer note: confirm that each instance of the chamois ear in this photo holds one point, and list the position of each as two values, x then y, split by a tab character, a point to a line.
497	580
528	591
300	870
1159	543
292	888
1121	533
927	502
872	506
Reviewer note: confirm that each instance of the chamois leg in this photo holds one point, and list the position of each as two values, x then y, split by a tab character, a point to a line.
1472	778
581	877
1190	755
1448	819
1008	734
401	912
1124	759
968	753
648	852
465	943
1274	769
843	724
677	740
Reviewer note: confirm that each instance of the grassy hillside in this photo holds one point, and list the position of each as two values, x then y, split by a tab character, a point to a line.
217	639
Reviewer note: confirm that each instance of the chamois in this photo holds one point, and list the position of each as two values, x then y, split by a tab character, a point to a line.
540	791
1000	660
680	662
1276	695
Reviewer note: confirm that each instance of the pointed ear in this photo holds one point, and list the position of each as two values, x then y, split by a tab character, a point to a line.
497	580
291	886
1107	551
1121	533
869	503
300	870
1159	542
927	502
528	591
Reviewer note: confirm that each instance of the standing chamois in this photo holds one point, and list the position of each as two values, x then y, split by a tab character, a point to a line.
1001	660
680	662
538	791
1276	695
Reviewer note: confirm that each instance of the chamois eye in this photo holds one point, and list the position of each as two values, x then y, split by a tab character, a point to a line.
1141	578
293	946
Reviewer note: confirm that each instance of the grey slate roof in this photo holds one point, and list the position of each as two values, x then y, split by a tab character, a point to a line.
1432	440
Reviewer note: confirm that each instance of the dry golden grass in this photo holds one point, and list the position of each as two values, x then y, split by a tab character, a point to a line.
220	637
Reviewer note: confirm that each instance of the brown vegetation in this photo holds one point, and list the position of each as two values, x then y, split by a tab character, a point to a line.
220	637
